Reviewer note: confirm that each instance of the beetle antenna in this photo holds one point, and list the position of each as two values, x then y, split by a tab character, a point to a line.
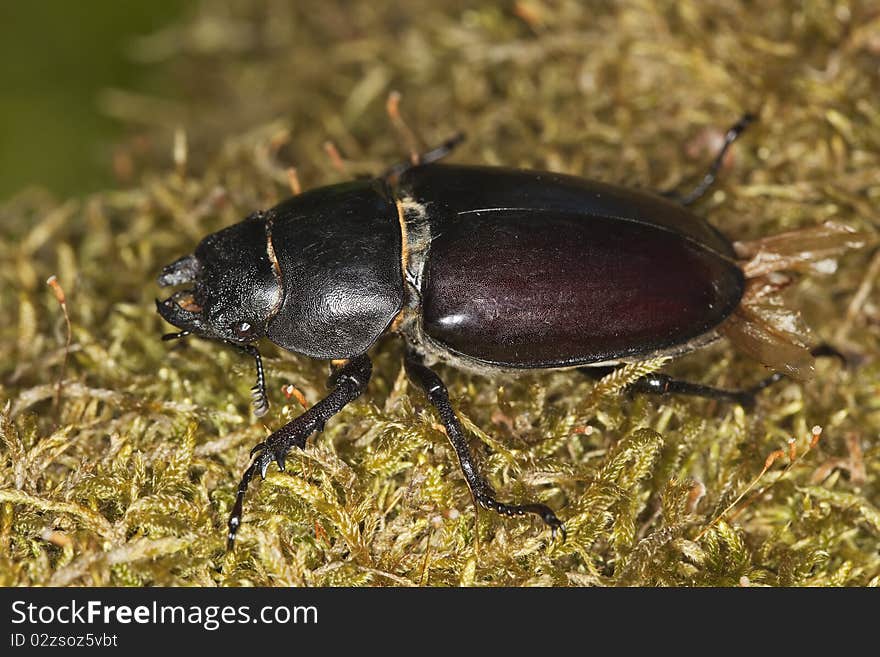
259	398
175	336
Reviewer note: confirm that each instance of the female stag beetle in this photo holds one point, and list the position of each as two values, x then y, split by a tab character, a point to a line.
485	268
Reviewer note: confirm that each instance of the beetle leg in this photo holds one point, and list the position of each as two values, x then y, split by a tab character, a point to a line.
663	384
697	192
825	350
482	491
259	398
412	141
348	384
392	107
394	172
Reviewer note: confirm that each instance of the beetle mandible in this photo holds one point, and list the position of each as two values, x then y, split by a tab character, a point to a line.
486	268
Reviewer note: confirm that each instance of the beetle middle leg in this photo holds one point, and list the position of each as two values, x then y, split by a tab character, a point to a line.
708	180
348	383
481	489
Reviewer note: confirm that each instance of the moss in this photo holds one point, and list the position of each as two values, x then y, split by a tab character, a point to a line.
129	480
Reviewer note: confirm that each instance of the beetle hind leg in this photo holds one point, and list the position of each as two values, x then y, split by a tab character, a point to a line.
482	491
394	172
708	180
663	384
417	155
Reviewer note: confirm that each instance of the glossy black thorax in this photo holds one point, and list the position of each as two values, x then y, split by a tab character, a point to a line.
338	249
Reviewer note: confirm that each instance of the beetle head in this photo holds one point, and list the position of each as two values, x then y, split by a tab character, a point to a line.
236	289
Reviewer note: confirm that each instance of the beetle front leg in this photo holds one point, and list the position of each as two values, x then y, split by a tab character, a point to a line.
482	491
348	383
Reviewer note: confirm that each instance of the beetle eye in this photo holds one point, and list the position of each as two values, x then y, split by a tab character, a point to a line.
243	329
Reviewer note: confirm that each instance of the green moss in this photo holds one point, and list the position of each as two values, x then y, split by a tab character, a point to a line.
130	479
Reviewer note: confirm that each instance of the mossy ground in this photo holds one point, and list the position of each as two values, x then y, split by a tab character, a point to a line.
130	479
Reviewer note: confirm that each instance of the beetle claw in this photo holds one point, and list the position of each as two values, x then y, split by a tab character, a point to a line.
558	529
550	519
264	467
279	459
747	399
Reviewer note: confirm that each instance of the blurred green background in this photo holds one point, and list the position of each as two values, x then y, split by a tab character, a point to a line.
60	60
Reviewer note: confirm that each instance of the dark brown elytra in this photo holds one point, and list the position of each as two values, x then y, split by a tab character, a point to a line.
560	288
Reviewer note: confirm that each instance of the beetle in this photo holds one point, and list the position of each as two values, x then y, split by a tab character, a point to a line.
485	268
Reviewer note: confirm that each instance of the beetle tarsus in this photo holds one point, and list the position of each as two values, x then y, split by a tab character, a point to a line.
542	511
444	149
825	350
235	516
350	382
394	172
482	491
663	384
709	178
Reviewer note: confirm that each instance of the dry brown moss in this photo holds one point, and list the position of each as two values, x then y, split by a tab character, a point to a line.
130	480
